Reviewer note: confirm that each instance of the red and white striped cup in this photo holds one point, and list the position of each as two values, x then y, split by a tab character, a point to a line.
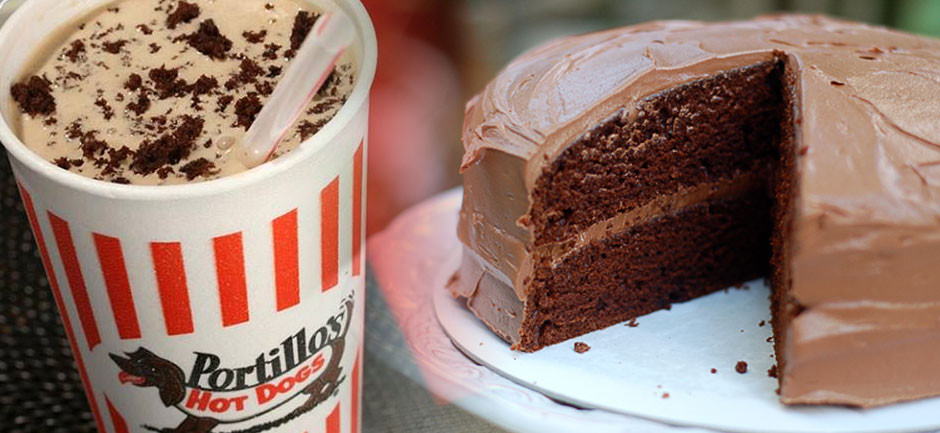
234	305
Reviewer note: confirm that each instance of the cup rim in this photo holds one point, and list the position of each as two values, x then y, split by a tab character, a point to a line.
358	100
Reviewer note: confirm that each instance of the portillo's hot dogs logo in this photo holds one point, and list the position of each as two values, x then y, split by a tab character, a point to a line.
289	380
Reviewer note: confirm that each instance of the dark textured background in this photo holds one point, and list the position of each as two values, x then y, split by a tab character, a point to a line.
40	390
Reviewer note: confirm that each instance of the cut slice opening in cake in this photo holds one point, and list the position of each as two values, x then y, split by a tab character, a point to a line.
664	203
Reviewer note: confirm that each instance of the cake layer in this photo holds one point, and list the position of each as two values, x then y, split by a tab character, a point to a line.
672	258
699	132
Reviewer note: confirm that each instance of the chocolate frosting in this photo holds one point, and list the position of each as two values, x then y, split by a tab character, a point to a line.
866	228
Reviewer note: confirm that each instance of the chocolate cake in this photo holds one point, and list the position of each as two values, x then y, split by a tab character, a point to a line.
609	175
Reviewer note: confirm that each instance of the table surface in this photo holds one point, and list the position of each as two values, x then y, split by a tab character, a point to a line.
40	389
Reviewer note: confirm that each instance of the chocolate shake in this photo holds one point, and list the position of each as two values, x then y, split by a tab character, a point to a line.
157	92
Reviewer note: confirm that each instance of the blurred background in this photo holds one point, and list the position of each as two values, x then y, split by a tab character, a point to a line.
436	54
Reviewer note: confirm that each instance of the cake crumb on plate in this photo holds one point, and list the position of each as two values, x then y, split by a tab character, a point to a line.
772	372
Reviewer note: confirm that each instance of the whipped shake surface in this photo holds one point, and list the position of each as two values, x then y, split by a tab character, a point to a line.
158	92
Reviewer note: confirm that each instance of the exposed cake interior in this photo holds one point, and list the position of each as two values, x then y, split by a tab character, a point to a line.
661	204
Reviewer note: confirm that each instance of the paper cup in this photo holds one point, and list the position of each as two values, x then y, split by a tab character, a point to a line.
229	305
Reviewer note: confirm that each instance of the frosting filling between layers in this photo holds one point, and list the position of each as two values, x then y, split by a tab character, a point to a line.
664	205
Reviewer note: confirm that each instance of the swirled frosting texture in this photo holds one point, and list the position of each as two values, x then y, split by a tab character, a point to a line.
866	229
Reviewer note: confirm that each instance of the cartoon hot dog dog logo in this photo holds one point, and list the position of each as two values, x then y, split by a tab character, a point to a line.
298	375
